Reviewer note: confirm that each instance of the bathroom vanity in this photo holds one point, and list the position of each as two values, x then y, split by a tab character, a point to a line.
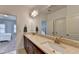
31	48
38	44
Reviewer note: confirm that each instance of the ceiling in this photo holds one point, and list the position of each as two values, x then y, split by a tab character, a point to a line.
42	9
7	17
50	9
11	10
47	9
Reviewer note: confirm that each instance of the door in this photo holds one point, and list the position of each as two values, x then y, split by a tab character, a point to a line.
73	27
60	27
44	27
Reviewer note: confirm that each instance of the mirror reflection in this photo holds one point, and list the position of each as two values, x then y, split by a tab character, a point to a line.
60	20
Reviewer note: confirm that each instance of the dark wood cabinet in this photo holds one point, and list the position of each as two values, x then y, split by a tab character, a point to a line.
37	50
31	48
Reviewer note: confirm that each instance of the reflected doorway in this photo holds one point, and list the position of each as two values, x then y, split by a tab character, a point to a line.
60	27
44	27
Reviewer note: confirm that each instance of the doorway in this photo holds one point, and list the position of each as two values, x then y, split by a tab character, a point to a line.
60	27
7	34
44	27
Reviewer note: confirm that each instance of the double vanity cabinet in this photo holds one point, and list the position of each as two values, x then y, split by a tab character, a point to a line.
38	44
31	48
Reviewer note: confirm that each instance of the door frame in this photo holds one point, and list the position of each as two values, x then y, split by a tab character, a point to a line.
54	24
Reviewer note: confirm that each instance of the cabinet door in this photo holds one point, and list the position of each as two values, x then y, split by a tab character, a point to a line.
37	50
30	47
27	44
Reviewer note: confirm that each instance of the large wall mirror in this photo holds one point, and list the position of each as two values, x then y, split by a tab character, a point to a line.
63	21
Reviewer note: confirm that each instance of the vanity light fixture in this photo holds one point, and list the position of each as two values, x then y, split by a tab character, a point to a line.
34	13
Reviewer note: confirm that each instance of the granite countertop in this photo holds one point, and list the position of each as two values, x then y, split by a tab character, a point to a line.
50	47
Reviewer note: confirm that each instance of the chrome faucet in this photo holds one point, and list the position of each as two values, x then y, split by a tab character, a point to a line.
57	40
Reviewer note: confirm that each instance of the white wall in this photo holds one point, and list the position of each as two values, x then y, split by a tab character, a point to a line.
22	19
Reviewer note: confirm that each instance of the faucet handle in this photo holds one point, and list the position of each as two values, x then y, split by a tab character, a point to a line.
57	40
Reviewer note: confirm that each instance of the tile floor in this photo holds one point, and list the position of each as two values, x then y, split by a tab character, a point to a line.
11	52
6	47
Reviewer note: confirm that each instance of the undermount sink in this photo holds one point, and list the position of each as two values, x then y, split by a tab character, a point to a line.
54	46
